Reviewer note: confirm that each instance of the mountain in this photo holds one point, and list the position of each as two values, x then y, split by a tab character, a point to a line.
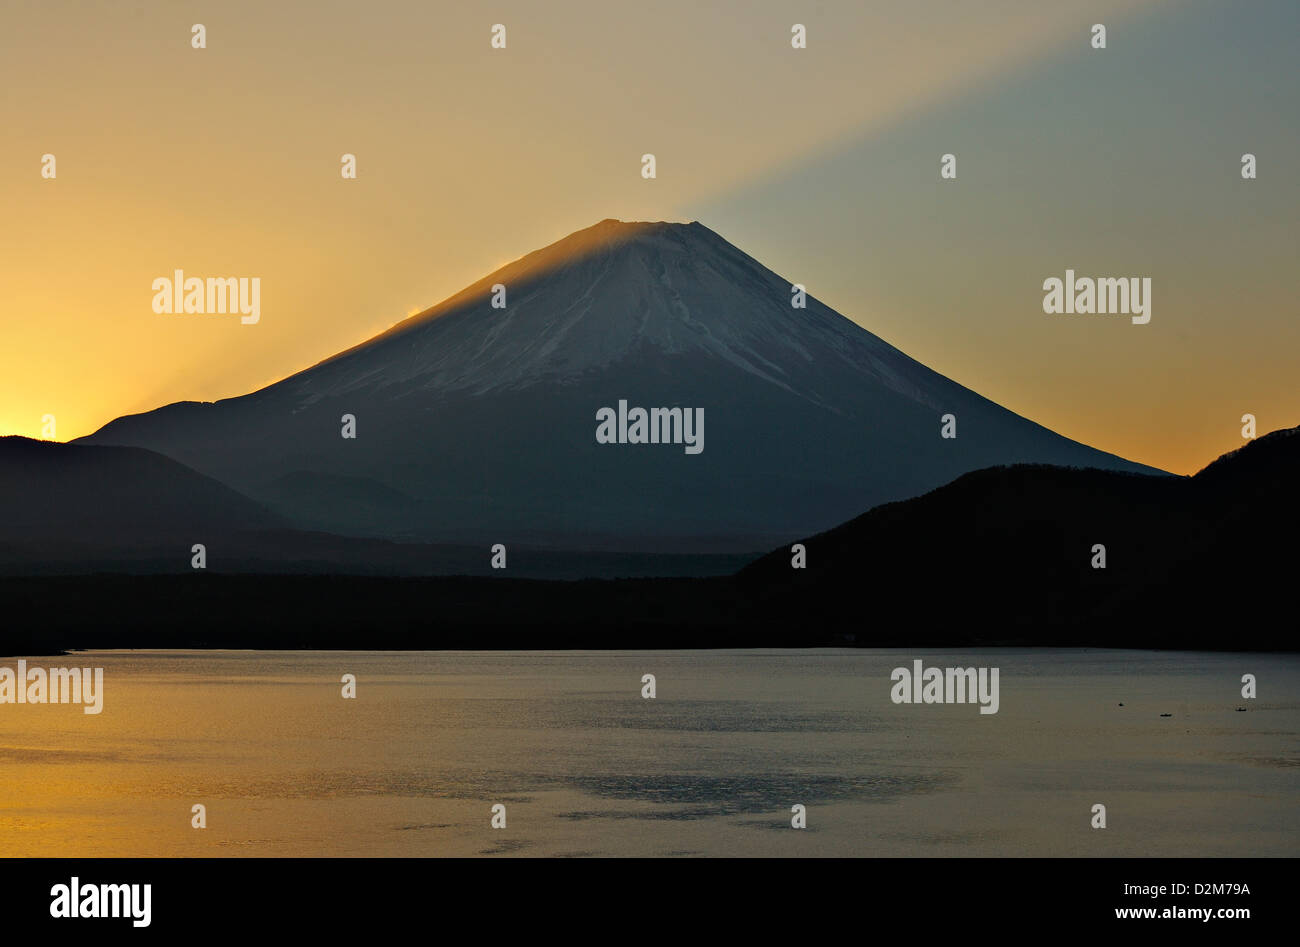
1000	556
1007	554
80	509
66	502
478	424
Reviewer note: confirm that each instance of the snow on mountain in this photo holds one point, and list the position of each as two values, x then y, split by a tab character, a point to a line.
671	287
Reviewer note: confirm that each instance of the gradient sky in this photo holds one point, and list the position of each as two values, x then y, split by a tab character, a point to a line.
822	163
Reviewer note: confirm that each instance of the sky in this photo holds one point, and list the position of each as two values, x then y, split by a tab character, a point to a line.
822	163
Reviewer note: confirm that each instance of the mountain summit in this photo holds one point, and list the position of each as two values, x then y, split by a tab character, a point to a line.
589	300
479	423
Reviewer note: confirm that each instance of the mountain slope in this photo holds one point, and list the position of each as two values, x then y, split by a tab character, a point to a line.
1002	556
1008	552
109	497
478	424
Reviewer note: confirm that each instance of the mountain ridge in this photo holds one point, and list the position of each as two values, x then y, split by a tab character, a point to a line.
1015	548
1191	567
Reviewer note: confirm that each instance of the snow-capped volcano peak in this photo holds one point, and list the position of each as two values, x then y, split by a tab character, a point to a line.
598	296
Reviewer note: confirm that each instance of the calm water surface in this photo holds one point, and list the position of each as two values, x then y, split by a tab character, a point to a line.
585	766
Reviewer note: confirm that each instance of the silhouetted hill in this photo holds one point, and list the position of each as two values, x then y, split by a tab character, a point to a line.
999	556
78	509
1267	464
1009	550
55	492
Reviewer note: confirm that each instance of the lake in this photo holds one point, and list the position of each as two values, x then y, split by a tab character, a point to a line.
585	766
